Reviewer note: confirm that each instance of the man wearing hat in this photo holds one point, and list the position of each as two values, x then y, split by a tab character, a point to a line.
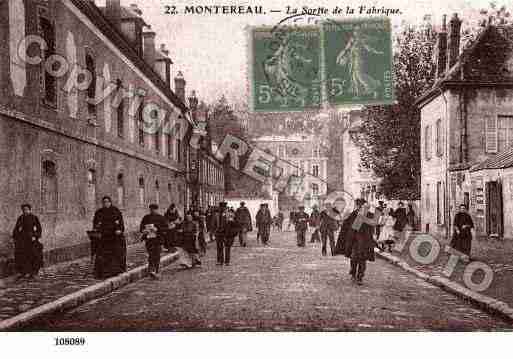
263	222
153	226
301	226
243	219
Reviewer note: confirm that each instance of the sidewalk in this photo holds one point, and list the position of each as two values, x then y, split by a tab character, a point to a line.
498	255
56	282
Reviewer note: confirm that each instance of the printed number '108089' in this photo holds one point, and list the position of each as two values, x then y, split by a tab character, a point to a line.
70	341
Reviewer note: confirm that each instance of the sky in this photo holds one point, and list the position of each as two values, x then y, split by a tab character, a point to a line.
211	50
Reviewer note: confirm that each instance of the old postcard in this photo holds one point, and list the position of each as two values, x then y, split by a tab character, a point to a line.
255	167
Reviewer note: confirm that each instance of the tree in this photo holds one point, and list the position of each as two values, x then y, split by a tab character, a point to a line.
389	136
223	120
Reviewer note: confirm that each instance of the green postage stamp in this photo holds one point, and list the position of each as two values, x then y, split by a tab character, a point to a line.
358	61
296	68
285	68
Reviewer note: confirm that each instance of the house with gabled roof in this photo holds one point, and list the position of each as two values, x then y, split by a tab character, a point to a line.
467	132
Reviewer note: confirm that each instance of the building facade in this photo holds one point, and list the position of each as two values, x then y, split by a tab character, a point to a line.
62	152
309	165
466	122
357	181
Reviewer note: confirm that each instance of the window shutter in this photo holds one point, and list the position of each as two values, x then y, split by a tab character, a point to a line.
491	134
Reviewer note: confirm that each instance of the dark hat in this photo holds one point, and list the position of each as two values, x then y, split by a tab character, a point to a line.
154	206
106	198
26	205
242	203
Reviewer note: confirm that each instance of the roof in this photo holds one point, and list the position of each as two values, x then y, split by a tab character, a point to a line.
501	160
467	72
96	16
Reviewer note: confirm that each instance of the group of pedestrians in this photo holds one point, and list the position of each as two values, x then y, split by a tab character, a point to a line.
360	231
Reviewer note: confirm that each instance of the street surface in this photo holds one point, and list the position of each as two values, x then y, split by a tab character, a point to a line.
280	287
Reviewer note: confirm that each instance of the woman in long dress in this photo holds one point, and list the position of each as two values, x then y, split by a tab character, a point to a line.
110	257
386	236
463	231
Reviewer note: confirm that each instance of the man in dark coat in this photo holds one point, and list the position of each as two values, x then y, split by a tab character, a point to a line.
401	219
153	227
463	231
243	219
363	244
315	221
28	251
110	257
222	228
328	225
263	223
301	219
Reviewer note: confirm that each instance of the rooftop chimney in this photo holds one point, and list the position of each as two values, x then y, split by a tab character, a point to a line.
149	47
163	64
180	86
113	12
441	50
135	9
131	26
453	47
193	104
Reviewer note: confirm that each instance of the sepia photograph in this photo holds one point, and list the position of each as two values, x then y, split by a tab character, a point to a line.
278	167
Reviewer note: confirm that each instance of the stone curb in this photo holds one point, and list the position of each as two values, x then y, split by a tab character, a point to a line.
483	302
82	296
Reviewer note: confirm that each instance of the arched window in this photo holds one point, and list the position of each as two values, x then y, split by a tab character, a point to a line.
121	190
141	191
157	192
91	190
91	90
49	186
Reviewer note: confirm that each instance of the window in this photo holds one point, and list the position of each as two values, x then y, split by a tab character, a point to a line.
504	133
141	191
91	90
439	139
179	150
427	142
121	119
121	190
157	141
48	81
491	144
91	189
49	186
428	201
169	193
157	192
315	170
169	145
316	151
315	189
439	203
140	125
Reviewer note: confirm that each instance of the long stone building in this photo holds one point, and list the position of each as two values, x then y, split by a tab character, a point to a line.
61	152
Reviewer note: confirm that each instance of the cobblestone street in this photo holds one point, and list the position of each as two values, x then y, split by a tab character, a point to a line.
280	287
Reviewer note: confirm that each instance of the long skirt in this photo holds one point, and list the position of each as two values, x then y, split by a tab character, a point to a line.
110	257
28	256
462	242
